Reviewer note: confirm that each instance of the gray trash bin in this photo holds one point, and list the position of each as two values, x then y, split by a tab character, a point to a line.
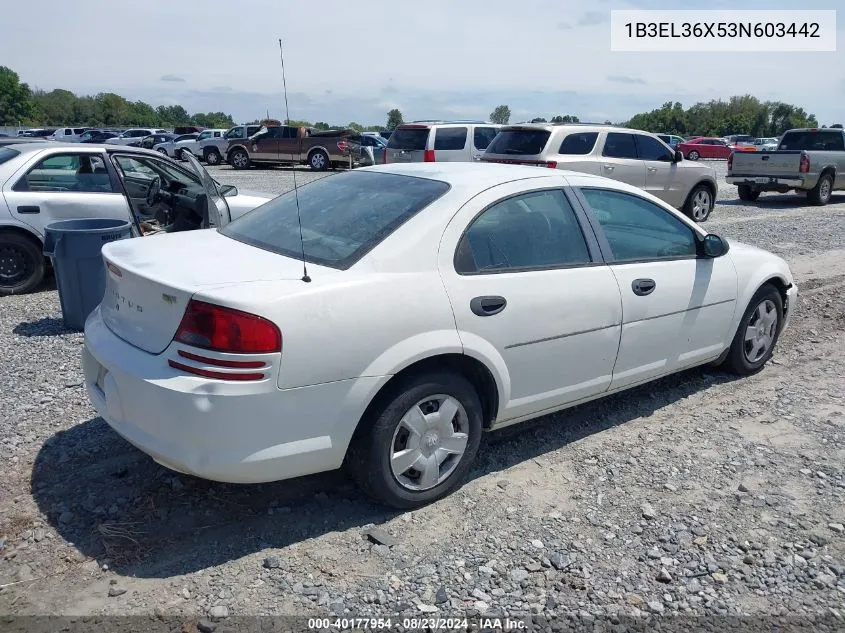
74	248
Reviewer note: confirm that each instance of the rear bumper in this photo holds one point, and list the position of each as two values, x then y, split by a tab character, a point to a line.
217	430
770	182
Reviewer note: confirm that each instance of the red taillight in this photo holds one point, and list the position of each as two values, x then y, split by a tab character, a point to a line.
222	362
428	156
551	164
220	329
342	146
384	156
805	164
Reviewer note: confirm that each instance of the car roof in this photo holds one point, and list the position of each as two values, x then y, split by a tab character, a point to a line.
83	148
580	127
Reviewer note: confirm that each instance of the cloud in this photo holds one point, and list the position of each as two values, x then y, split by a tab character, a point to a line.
624	79
172	78
591	18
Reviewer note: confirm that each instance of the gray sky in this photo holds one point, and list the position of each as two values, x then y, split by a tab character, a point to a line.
353	61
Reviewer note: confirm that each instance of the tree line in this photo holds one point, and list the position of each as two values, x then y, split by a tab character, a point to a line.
20	105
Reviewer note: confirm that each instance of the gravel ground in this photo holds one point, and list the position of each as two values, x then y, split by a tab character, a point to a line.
697	494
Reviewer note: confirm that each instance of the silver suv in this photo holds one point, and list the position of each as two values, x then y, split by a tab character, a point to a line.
439	141
632	156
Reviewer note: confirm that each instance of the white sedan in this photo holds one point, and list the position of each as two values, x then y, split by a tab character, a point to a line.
423	305
44	182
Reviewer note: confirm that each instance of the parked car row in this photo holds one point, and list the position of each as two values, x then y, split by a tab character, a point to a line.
635	157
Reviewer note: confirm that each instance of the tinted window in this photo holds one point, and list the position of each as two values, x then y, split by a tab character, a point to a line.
578	143
528	142
638	229
204	136
482	136
289	132
831	141
450	138
649	148
664	137
408	138
343	217
534	230
619	146
79	173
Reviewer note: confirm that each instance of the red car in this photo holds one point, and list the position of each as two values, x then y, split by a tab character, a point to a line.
705	147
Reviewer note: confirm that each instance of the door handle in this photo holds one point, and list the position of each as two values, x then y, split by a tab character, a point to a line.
488	305
652	168
31	209
608	167
642	287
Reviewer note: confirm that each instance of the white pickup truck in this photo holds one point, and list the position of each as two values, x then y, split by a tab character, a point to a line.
807	160
195	147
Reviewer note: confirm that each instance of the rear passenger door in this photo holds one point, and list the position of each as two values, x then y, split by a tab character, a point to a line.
451	144
482	135
619	159
531	295
266	146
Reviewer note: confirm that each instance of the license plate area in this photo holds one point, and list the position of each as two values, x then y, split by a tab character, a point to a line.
764	180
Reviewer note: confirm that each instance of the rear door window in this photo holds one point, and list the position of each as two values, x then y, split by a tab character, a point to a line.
483	136
408	138
450	138
578	143
618	145
527	142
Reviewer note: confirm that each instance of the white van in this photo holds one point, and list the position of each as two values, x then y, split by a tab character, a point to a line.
68	134
439	141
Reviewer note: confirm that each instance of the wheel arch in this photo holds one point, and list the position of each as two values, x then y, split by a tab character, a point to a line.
711	187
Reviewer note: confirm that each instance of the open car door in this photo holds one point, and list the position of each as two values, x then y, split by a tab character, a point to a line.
219	214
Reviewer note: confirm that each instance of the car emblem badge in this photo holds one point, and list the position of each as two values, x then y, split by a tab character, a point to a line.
171	299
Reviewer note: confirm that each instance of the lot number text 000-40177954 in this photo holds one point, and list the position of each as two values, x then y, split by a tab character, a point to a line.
723	31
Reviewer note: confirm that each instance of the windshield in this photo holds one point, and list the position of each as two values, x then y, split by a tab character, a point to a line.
7	153
343	216
528	142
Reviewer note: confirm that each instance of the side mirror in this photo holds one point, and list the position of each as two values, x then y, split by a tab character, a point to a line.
229	190
714	246
678	156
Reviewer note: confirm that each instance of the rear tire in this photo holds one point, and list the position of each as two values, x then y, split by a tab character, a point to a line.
747	193
820	194
319	160
22	264
754	331
212	156
693	155
161	150
239	159
385	435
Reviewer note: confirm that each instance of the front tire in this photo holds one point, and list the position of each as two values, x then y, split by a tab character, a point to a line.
820	194
161	150
693	155
699	203
239	159
22	264
319	160
758	332
418	444
747	194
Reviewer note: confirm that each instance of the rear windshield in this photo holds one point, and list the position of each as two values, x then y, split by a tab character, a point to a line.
408	138
519	142
831	141
7	153
343	216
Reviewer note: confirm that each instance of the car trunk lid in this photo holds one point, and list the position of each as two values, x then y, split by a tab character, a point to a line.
149	281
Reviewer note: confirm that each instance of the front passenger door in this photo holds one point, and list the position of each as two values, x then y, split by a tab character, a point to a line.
619	159
662	178
677	306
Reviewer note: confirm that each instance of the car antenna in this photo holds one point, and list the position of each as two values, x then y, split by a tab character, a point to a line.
305	276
